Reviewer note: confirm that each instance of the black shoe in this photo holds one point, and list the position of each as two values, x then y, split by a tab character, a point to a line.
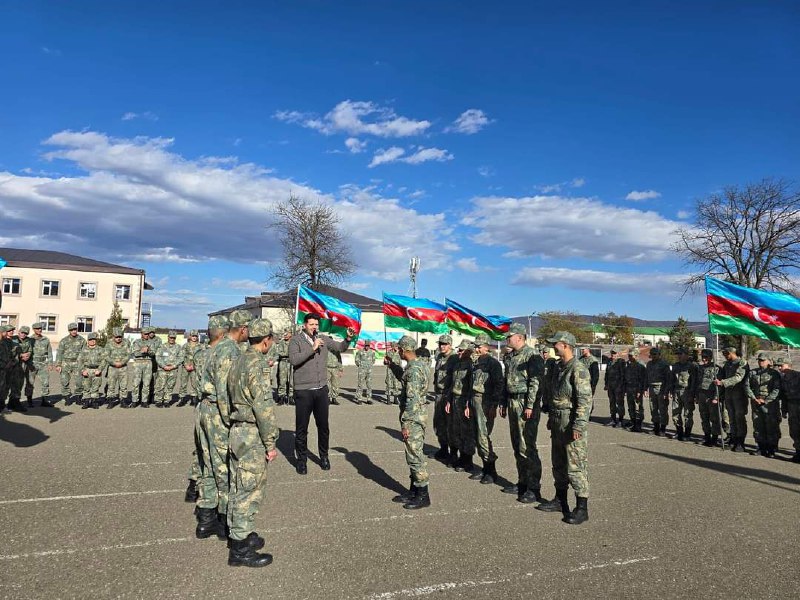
144	405
256	541
679	433
86	404
707	440
530	496
368	401
242	554
301	467
17	407
512	489
333	401
489	473
325	464
478	475
421	499
454	458
557	504
461	464
406	496
207	523
223	532
442	454
46	403
580	514
191	492
687	434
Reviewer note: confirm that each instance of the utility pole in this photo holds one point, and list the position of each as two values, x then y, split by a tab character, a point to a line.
413	269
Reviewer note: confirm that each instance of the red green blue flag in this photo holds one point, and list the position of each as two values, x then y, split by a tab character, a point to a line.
471	322
335	315
414	314
737	310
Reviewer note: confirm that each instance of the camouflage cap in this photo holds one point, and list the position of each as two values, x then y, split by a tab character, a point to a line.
193	332
779	362
92	336
260	328
562	336
172	334
612	353
38	325
25	329
445	339
633	352
728	349
218	322
516	329
707	352
72	326
465	345
117	332
240	318
4	328
407	343
763	356
482	339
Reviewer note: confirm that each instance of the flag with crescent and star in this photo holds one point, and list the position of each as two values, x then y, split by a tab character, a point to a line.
737	310
471	322
335	315
414	314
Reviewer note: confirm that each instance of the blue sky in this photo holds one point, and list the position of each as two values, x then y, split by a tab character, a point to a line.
535	157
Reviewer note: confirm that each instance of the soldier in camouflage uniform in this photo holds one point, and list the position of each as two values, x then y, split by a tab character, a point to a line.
590	362
169	358
285	389
42	362
684	382
487	390
790	403
522	380
762	389
635	382
142	351
334	367
156	344
188	389
733	378
91	364
69	348
707	398
446	360
549	374
118	353
614	384
463	417
10	370
365	360
457	396
27	368
413	421
659	380
253	437
568	424
392	382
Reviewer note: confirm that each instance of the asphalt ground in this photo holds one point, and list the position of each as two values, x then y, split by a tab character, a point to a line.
91	505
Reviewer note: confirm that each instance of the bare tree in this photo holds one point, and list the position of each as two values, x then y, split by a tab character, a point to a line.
314	250
745	235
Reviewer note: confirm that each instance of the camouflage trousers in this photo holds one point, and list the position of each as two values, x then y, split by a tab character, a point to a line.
793	411
635	405
42	375
212	442
484	423
187	383
683	409
659	405
142	374
766	423
415	457
616	402
569	456
465	426
284	376
393	389
194	468
737	413
709	413
117	382
334	374
523	440
364	381
248	463
165	385
91	384
440	421
28	378
70	379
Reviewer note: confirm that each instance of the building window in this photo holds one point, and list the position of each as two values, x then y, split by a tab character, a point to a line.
50	288
87	291
50	322
12	286
122	292
85	324
8	320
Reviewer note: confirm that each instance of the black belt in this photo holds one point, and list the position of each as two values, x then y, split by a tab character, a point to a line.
518	395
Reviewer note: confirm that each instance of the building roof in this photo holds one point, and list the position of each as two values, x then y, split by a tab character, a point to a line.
48	259
287	299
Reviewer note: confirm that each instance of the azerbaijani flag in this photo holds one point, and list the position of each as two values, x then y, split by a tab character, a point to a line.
414	314
470	322
738	310
335	316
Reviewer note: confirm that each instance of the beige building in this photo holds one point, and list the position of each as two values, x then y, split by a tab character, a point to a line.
57	289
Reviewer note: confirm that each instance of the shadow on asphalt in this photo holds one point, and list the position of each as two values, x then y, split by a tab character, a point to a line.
395	433
369	470
749	473
285	445
23	435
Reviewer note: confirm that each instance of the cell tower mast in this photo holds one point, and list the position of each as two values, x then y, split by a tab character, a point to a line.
413	269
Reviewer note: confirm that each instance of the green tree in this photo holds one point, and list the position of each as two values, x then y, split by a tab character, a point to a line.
114	320
556	320
618	328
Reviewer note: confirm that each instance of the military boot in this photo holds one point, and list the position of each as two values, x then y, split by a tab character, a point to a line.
636	426
421	499
85	403
191	492
454	459
443	453
489	473
468	464
46	402
17	406
714	440
514	488
207	523
687	434
530	496
738	445
557	504
242	554
679	433
580	514
477	475
461	464
406	496
707	440
30	401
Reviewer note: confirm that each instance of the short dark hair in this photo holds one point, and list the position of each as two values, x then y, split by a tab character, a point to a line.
310	316
257	340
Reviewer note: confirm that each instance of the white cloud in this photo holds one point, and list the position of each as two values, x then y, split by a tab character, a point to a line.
486	171
577	182
684	214
469	122
599	281
558	227
356	118
639	196
468	264
135	200
386	155
187	298
397	154
249	285
52	51
355	145
356	286
147	115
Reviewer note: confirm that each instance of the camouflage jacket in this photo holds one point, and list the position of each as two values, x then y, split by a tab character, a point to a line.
704	382
42	352
572	390
200	358
549	375
658	374
733	375
414	380
190	350
215	377
764	384
69	348
790	385
394	357
169	355
615	374
443	372
487	379
93	359
138	349
10	354
684	377
591	364
461	381
365	359
250	393
334	359
282	349
635	377
118	352
25	347
523	376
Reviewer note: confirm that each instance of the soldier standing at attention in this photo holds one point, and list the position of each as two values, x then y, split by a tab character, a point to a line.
659	379
733	378
42	362
155	344
446	360
142	352
523	378
26	362
91	364
12	376
413	421
549	372
69	348
487	389
333	366
457	395
568	421
763	388
790	409
392	383
365	360
254	433
463	416
614	384
285	391
590	362
684	382
635	383
118	352
188	379
707	397
169	358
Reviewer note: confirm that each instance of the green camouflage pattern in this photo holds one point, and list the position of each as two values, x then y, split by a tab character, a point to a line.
117	356
765	383
443	369
707	398
733	376
168	355
487	391
414	417
42	362
523	374
284	369
458	394
524	370
187	376
142	352
659	380
684	383
334	375
391	382
365	360
69	348
91	364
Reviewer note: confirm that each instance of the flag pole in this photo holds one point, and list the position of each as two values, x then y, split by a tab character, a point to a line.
296	307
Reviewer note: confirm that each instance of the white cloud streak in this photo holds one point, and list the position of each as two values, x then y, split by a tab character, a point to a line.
636	196
356	118
599	281
147	115
355	145
397	154
469	122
